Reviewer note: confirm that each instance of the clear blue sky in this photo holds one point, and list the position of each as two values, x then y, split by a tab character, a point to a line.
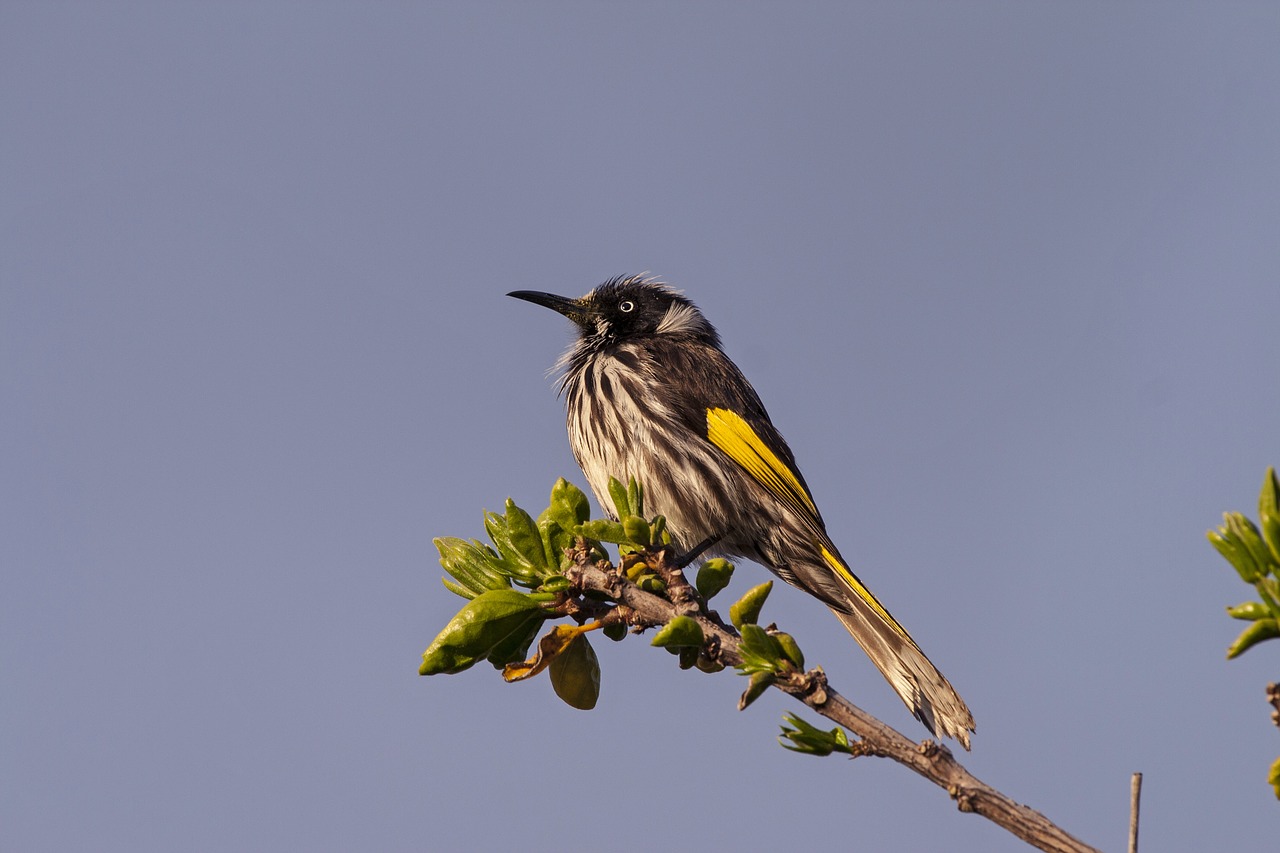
1007	277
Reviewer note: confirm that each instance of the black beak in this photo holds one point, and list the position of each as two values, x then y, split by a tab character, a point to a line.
571	308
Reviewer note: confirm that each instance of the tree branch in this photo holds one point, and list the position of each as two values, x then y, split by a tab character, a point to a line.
933	761
1135	803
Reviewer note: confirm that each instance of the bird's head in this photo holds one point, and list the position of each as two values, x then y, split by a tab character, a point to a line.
625	308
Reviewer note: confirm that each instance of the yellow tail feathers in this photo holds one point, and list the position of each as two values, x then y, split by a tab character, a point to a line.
912	675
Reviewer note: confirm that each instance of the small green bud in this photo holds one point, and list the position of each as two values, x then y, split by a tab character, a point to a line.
615	630
554	583
747	609
637	530
635	497
1247	533
457	590
800	736
1251	610
680	631
569	506
659	536
555	540
708	665
713	576
652	583
637	570
1269	513
1229	546
759	683
790	649
472	564
761	651
604	531
514	563
525	536
618	493
1263	629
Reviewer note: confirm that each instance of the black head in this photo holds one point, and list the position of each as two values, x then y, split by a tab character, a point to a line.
626	308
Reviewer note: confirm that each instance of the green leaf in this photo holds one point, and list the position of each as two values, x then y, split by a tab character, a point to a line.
790	649
575	675
554	583
473	565
713	576
636	569
635	497
485	623
569	506
759	683
680	631
555	540
1230	546
559	522
800	736
651	583
1269	513
618	493
761	652
1251	610
659	536
514	561
516	645
637	530
604	531
1274	777
1248	534
1263	629
457	590
747	609
525	536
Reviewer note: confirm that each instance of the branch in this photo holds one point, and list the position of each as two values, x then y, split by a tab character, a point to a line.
560	559
931	760
1135	802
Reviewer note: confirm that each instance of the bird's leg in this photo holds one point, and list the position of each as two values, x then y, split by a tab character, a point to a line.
682	593
679	591
670	567
685	559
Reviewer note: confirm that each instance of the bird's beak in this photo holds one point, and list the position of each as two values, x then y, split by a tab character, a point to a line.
574	309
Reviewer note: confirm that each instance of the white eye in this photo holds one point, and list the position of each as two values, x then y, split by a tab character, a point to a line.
627	307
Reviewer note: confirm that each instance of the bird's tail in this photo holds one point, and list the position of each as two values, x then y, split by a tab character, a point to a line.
925	690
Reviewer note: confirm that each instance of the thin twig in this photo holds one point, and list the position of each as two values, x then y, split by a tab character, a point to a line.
931	760
1135	798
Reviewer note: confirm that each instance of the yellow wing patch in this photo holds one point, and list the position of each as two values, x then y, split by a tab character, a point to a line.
729	432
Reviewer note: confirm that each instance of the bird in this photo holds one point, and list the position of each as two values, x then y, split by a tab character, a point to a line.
651	395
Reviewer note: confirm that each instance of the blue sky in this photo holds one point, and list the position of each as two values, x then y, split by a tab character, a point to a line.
1006	276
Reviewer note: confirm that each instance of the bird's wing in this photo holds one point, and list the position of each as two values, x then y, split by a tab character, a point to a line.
730	432
922	687
740	441
733	419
